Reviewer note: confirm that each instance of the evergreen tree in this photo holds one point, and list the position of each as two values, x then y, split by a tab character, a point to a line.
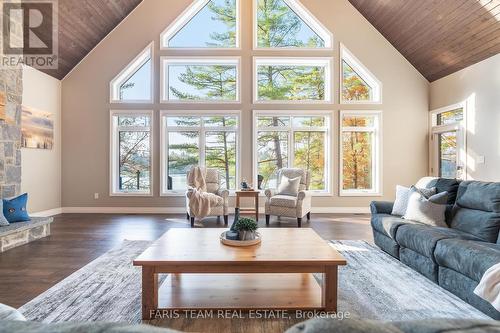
224	12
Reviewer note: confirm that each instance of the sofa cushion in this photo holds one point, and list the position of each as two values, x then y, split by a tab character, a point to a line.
430	211
388	224
284	201
484	225
471	259
480	196
477	210
403	197
421	263
441	185
354	325
328	325
442	325
422	238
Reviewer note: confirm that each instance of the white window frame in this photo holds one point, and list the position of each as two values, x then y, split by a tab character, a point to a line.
129	70
377	154
164	130
291	130
364	73
186	16
308	18
326	62
164	82
114	151
460	127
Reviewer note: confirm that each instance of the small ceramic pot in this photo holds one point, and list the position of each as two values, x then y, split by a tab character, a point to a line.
247	235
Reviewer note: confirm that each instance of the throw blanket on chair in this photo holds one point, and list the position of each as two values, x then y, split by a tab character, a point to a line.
200	201
489	286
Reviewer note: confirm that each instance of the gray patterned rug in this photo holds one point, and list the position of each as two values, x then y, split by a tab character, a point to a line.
373	286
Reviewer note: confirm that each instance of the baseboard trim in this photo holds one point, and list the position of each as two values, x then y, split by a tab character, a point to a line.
180	210
48	213
124	210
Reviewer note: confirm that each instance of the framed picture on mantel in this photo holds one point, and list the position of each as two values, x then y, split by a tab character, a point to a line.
37	129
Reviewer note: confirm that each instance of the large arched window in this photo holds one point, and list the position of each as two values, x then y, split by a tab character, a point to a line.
201	67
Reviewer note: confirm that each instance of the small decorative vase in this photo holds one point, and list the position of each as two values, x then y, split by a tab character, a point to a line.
247	235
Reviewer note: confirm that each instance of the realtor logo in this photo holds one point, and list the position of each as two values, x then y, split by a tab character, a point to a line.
29	34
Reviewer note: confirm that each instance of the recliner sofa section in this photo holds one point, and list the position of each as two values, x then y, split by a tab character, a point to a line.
457	257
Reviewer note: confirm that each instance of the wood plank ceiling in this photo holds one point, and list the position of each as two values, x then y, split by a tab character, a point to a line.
438	37
83	24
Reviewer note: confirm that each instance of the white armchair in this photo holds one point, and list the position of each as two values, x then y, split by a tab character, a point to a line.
290	206
213	181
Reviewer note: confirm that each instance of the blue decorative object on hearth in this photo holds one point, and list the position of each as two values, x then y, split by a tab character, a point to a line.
14	209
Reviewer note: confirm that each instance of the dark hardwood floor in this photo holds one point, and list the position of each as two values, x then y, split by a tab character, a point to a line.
77	239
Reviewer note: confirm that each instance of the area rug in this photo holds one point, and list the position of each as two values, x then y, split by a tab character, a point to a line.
373	286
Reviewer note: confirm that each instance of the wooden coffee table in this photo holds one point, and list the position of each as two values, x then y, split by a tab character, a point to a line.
275	274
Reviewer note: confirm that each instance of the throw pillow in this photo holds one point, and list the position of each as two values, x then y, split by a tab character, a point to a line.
403	195
3	220
427	210
14	209
289	186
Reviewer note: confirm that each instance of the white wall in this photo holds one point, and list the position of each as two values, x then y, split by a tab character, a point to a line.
41	169
479	84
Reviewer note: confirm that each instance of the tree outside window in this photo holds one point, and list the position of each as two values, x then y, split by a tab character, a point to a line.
359	133
307	148
192	137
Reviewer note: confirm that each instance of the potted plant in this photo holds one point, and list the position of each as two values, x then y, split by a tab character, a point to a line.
246	228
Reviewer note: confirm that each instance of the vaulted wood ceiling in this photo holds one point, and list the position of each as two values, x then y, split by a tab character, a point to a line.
83	24
438	37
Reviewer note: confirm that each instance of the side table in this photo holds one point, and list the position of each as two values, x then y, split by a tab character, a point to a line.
248	194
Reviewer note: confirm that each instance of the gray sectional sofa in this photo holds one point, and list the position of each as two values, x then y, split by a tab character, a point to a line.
456	257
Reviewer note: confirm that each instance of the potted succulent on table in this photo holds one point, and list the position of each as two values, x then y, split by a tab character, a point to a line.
246	228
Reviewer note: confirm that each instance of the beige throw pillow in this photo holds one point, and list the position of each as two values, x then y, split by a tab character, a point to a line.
289	186
427	210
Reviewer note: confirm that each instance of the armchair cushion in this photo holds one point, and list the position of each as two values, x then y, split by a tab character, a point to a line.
294	173
284	201
289	186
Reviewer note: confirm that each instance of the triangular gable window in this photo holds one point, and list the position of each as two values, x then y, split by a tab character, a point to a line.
283	24
205	24
134	83
359	85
